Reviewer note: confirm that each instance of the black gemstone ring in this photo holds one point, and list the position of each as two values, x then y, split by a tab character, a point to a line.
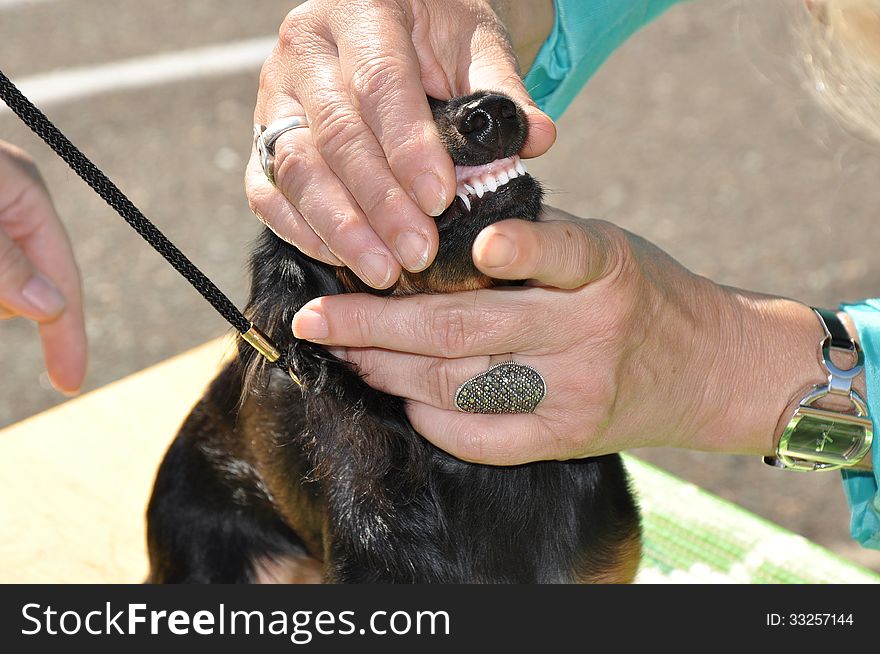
506	387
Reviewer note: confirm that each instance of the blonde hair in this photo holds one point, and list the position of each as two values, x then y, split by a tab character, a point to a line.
841	53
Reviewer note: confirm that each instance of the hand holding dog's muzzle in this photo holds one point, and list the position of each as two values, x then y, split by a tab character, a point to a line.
537	357
359	186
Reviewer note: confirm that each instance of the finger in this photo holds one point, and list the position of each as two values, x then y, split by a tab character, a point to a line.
307	185
560	253
65	349
381	68
306	182
457	325
331	211
424	379
350	149
57	306
63	337
274	211
29	221
506	439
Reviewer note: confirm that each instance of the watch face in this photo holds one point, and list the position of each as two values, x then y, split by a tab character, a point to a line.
825	436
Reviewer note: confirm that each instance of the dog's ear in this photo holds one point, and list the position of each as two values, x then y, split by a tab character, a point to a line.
283	279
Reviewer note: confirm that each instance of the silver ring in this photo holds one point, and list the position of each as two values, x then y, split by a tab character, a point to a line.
265	137
506	387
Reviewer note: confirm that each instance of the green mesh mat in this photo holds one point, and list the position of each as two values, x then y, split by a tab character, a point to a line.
692	536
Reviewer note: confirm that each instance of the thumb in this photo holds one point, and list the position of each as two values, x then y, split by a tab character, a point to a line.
559	253
23	290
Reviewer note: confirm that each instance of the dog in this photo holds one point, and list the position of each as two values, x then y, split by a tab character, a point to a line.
269	481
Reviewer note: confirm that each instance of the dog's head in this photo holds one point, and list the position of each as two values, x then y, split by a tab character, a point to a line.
483	133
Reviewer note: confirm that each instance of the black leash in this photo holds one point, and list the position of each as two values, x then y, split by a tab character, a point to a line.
37	121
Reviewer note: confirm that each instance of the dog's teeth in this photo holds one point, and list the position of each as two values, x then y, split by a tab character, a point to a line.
464	198
490	182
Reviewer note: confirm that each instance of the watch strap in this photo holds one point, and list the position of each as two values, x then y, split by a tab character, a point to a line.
836	330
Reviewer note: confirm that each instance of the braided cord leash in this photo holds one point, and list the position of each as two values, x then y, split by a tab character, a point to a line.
37	121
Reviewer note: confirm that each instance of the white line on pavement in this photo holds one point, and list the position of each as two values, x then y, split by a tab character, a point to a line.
80	83
10	4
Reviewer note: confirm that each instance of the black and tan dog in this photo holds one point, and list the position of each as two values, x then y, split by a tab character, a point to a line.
268	481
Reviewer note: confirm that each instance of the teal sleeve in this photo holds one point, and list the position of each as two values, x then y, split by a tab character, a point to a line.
861	488
585	33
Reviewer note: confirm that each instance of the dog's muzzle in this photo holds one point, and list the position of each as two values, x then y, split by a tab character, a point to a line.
506	387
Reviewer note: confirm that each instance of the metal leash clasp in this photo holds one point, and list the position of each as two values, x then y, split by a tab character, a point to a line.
264	345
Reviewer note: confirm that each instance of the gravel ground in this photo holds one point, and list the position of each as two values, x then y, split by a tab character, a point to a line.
698	135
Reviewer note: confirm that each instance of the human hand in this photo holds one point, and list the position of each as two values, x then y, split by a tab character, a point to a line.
356	186
38	275
635	349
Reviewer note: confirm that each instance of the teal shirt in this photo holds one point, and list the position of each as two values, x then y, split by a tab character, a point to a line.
585	33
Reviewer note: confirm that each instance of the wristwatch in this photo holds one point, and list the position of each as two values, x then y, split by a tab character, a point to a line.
822	439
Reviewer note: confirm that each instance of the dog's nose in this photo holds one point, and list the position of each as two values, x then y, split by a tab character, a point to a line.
491	122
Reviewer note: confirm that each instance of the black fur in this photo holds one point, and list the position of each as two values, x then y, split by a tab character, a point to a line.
263	470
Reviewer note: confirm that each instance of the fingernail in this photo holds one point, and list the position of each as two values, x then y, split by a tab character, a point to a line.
63	391
412	248
375	269
429	194
42	295
308	324
497	251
